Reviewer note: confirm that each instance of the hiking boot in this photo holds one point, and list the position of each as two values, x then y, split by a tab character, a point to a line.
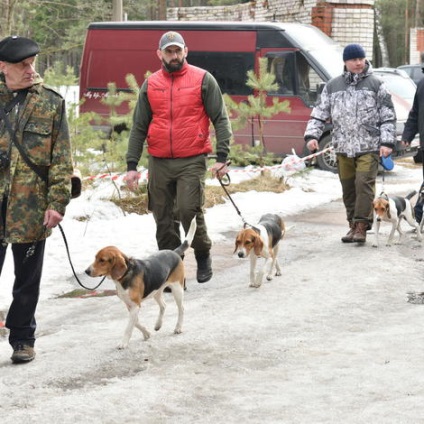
22	353
348	238
360	234
204	268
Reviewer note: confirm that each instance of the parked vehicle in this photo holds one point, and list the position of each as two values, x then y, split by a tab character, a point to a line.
415	72
301	56
402	89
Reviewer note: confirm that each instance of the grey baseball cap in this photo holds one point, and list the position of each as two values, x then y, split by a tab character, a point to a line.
171	38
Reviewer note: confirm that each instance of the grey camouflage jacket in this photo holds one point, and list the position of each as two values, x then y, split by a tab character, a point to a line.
42	130
361	111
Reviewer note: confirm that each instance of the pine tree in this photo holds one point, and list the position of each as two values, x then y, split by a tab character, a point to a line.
257	108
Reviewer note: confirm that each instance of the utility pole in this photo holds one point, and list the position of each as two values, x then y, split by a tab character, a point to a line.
406	59
117	13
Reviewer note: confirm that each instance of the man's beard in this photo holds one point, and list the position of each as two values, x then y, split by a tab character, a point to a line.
174	66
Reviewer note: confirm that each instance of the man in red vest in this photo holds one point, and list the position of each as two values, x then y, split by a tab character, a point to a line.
175	107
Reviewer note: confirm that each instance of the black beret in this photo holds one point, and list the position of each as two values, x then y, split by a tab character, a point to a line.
15	49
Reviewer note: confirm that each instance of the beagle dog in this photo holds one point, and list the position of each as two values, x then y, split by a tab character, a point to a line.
420	201
137	280
261	241
394	209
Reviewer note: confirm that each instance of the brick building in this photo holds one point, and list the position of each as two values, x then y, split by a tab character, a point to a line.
346	21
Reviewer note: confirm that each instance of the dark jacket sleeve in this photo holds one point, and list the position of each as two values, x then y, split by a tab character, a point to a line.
412	124
217	112
141	120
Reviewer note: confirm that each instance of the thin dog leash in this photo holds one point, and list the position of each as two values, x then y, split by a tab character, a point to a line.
31	251
382	180
224	186
72	266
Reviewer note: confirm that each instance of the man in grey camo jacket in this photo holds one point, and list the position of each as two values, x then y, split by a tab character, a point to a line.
364	128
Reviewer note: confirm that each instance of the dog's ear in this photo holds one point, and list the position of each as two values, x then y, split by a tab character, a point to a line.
119	267
388	210
258	245
237	243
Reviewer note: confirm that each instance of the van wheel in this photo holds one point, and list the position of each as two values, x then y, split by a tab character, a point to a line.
328	160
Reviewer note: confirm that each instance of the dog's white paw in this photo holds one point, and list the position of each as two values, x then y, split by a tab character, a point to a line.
278	273
178	330
122	345
254	285
146	335
269	277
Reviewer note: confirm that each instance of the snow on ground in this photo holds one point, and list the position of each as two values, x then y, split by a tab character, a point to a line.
332	340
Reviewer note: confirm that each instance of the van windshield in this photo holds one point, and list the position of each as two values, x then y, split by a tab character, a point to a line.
319	46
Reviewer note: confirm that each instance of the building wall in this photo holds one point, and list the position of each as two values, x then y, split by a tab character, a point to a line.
347	21
416	45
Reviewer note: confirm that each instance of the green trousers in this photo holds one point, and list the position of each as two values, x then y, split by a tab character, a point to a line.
357	177
176	193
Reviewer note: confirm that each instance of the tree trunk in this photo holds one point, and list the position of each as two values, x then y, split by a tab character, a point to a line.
381	40
162	10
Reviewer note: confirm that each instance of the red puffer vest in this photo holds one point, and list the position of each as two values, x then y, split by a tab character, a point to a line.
180	125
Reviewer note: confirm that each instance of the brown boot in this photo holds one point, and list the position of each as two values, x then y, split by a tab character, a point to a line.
348	238
360	234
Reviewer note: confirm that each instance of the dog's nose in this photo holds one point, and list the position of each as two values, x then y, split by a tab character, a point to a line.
240	254
88	271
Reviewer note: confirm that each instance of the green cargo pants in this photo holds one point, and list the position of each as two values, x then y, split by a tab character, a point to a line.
176	193
357	177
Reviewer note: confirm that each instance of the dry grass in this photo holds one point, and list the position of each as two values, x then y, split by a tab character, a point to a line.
215	195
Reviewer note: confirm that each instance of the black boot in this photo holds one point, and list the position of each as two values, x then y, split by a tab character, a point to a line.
204	267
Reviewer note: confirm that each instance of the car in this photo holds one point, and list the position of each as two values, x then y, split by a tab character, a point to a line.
402	88
415	72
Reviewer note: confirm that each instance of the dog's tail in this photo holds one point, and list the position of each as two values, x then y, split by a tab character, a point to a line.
188	239
410	195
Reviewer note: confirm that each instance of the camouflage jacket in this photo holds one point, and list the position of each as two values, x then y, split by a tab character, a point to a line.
361	111
42	130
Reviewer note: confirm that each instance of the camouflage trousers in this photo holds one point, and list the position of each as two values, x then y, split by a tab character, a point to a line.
176	191
357	177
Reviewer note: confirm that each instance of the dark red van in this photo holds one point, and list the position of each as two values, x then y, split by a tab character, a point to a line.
302	57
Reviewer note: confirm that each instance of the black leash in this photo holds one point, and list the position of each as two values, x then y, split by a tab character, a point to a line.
224	185
72	266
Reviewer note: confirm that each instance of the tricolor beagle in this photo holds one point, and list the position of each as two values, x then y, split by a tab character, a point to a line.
261	241
393	209
137	280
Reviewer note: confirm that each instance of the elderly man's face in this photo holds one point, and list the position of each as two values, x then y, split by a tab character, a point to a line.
173	57
19	75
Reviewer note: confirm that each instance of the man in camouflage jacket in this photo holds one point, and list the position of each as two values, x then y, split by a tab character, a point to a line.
30	205
364	128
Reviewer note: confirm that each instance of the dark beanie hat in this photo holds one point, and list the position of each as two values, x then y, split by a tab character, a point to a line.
14	49
353	51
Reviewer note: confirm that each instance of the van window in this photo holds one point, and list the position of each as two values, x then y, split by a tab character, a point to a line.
229	69
294	76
